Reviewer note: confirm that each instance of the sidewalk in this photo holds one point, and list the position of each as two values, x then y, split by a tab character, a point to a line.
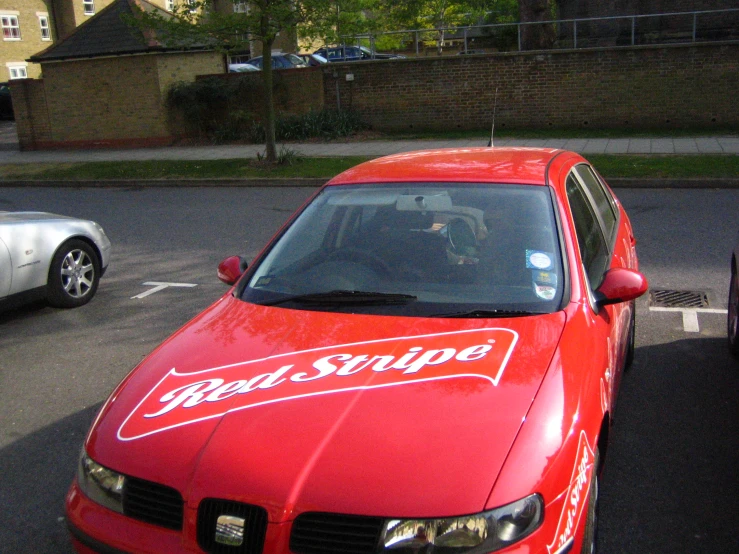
9	152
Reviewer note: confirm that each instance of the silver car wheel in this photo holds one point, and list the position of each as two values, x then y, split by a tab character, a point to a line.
74	275
78	273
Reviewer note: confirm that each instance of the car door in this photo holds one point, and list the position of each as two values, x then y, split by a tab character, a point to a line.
6	270
597	221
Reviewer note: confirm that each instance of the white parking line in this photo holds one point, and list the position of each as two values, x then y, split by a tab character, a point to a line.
690	316
160	286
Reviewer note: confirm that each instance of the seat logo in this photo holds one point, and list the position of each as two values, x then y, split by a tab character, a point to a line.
230	530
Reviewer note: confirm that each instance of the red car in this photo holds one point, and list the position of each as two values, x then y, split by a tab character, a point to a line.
425	359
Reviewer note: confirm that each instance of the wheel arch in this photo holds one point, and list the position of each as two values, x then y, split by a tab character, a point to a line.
87	240
603	438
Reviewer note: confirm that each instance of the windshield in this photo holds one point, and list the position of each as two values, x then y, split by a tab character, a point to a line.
423	249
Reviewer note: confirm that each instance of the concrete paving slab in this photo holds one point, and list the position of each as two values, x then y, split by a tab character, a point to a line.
685	146
576	145
595	146
730	145
662	146
640	146
617	146
709	145
556	143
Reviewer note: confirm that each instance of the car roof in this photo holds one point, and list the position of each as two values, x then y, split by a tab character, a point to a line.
472	165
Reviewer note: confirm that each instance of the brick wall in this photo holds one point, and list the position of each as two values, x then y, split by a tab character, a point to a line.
106	102
638	87
29	107
296	91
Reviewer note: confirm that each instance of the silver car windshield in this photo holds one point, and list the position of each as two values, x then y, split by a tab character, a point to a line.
455	250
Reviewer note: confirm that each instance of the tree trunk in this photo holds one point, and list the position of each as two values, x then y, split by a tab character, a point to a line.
540	36
269	103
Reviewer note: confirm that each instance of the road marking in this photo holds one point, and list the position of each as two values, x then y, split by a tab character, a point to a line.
690	316
160	286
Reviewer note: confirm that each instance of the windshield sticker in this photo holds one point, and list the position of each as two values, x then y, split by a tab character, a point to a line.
576	498
545	292
186	398
538	260
545	278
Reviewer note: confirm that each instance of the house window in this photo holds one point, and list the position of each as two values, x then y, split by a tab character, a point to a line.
89	6
170	5
17	71
11	28
241	7
43	21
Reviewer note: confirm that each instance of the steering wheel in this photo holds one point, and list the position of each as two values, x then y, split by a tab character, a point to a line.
364	257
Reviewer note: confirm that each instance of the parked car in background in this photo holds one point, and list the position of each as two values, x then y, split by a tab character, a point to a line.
353	54
279	61
313	59
50	256
242	68
6	102
425	358
732	320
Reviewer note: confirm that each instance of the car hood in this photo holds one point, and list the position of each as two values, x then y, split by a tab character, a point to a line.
25	217
311	411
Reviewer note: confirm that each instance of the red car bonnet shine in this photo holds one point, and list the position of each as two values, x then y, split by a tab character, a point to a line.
424	359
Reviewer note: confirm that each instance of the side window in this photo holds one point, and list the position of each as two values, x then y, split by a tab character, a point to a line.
601	198
593	248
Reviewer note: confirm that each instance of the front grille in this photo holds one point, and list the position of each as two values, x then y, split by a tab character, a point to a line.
318	533
152	503
255	526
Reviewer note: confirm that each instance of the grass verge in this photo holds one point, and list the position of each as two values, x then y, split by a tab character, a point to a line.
610	166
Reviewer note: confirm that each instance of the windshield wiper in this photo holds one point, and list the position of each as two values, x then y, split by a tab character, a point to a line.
354	297
489	313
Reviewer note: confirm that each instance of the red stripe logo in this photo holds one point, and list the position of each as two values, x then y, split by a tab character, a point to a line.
187	398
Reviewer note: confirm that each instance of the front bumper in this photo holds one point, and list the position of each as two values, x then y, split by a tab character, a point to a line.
98	530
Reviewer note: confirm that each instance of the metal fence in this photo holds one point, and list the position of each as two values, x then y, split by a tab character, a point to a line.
594	32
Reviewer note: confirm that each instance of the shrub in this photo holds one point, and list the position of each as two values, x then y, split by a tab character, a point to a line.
212	110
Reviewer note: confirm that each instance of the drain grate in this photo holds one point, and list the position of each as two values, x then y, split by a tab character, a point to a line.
678	299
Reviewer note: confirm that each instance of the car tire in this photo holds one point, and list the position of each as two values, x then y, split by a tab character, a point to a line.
732	319
590	535
74	275
631	345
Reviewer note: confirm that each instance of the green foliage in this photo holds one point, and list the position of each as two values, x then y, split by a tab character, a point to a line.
286	156
213	111
325	124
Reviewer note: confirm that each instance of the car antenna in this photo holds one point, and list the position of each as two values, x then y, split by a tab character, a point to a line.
492	131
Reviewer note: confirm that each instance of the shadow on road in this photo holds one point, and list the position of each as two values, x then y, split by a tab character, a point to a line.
36	472
670	483
671	480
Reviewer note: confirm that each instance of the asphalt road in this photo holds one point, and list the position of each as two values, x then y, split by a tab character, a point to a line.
670	484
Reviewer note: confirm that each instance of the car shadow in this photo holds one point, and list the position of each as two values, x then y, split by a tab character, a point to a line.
37	470
670	481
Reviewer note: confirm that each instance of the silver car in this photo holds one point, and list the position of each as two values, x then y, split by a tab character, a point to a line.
50	256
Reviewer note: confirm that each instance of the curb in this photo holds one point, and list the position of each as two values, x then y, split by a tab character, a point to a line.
170	183
314	182
687	183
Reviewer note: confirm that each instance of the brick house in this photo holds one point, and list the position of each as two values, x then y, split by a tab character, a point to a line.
30	26
105	85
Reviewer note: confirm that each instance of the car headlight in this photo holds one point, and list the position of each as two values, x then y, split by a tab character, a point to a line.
485	532
100	484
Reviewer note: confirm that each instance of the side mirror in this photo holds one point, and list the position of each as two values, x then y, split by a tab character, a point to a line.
230	269
620	285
